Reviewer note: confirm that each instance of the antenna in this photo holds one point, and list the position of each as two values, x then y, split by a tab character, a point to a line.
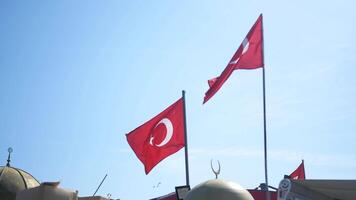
100	185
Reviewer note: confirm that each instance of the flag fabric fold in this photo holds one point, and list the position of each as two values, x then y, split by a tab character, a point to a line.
249	55
159	137
299	173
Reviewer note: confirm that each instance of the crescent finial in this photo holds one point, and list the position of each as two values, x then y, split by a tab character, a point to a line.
216	172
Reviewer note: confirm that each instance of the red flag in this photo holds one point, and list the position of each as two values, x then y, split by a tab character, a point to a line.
249	55
299	173
160	137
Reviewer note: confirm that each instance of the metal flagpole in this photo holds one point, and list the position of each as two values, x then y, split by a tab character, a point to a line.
186	142
264	115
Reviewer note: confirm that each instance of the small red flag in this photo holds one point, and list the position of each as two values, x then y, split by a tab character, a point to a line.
299	173
249	55
160	137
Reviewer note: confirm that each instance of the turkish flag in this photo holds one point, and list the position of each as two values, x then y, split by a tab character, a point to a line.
160	137
249	55
299	173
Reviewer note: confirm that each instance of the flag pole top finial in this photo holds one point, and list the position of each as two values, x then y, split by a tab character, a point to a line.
9	150
216	172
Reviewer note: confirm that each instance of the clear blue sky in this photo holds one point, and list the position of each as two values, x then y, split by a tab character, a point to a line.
75	76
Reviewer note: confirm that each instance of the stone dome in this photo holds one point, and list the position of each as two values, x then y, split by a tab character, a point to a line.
14	180
218	190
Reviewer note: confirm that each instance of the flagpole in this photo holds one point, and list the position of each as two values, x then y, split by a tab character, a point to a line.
304	168
264	117
186	142
265	133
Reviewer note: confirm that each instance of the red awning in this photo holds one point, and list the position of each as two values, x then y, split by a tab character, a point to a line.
261	195
170	196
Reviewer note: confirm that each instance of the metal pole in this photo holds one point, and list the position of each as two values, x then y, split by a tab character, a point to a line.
264	116
265	133
304	168
186	141
99	185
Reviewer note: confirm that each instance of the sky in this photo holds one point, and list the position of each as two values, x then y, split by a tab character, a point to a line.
76	76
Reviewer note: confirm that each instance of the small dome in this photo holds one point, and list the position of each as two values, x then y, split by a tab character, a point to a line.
13	180
218	190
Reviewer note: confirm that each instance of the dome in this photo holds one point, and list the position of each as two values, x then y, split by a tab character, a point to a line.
47	191
218	190
13	180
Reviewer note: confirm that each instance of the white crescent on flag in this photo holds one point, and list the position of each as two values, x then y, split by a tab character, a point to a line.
245	45
169	127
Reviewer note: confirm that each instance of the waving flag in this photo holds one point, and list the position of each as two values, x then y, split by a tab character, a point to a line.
249	55
299	173
160	137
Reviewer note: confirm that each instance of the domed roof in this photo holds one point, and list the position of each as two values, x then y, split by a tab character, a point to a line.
13	180
218	190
